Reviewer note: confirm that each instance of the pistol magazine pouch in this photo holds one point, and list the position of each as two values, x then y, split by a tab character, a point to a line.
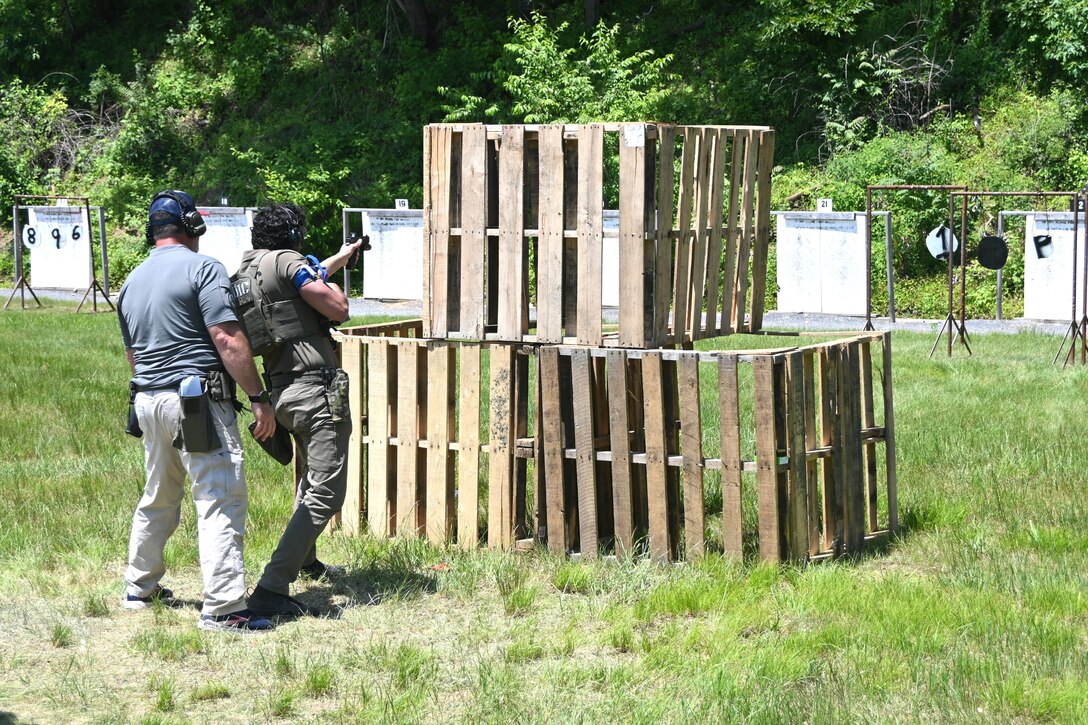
197	433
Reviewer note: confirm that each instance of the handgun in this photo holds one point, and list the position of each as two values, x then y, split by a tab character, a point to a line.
353	261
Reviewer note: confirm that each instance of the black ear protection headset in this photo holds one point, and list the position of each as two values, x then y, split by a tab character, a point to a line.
294	227
190	219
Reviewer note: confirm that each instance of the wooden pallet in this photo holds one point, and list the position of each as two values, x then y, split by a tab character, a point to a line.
506	204
611	454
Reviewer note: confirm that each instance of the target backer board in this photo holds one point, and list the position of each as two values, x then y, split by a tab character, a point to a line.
59	241
1048	282
821	262
393	268
228	236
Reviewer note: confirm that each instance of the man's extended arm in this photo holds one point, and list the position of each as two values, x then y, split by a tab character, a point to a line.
237	357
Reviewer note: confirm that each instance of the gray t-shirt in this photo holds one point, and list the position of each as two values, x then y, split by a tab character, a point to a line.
165	308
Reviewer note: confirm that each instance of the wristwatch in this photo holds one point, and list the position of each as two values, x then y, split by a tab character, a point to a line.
261	397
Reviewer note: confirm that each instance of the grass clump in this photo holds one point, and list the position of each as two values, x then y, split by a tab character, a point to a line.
169	645
210	691
517	594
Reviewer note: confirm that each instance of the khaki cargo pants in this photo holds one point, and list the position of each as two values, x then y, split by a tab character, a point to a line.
219	494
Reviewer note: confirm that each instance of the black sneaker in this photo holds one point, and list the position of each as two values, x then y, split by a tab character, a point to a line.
158	594
241	622
319	570
267	603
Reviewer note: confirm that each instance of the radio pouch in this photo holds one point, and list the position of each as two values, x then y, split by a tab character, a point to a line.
197	433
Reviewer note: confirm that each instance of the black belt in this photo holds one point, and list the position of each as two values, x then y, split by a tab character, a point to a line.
169	386
282	380
153	388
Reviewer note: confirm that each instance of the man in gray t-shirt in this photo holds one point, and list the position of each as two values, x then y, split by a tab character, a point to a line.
177	323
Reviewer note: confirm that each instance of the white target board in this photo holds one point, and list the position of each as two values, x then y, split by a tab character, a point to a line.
821	262
59	241
1048	282
393	268
228	236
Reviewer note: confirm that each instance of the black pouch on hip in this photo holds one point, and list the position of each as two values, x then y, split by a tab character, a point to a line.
132	427
197	433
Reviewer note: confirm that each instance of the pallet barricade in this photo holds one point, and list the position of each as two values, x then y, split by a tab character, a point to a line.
606	450
506	204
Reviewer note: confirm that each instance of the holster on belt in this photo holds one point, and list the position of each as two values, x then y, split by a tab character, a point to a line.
132	427
197	433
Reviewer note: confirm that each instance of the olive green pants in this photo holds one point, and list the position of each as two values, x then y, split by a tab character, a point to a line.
303	407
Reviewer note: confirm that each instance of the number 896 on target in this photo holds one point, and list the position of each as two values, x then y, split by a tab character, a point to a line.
35	236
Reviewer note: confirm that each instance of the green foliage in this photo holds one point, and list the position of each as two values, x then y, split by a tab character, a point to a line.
551	81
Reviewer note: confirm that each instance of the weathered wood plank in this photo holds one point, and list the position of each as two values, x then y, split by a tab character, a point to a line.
716	179
473	229
766	458
656	457
585	453
632	236
665	213
797	504
699	238
500	517
468	454
407	438
440	232
619	435
428	225
729	432
812	442
732	233
682	263
552	414
378	449
352	513
889	434
868	420
441	364
763	228
511	231
691	447
549	280
854	493
744	247
590	228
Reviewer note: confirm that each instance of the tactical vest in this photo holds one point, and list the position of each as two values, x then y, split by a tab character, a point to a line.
269	324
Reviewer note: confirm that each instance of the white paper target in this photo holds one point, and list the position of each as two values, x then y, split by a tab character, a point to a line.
393	268
1048	282
59	241
821	262
228	236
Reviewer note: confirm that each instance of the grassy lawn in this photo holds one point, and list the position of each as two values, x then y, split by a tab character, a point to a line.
977	613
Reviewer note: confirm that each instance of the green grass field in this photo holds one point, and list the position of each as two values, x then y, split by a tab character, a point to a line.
977	613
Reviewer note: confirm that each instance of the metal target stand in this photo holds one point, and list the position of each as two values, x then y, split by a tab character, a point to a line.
1077	328
22	284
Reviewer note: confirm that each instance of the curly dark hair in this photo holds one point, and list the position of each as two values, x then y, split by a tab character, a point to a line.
272	226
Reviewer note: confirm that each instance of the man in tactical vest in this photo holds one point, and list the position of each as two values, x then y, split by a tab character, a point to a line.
288	305
181	337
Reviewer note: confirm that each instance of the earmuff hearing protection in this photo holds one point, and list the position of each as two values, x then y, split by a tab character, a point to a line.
187	216
294	227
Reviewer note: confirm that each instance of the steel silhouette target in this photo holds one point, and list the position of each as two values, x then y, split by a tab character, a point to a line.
993	252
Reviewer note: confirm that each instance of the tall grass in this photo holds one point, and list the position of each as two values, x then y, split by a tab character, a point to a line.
976	613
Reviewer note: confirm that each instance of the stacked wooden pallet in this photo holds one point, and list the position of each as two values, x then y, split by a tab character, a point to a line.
605	450
513	220
484	423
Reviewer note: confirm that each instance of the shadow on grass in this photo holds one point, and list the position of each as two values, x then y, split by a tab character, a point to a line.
8	718
369	585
